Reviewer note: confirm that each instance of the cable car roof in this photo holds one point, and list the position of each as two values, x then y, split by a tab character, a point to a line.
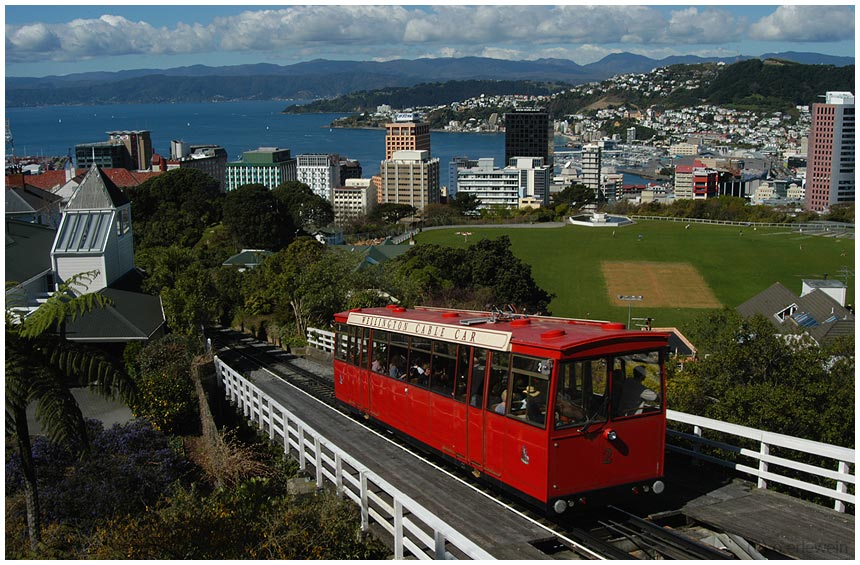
494	330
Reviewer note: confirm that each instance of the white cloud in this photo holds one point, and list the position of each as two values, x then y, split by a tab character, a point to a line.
806	23
707	26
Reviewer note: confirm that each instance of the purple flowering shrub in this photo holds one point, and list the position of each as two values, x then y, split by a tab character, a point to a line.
127	469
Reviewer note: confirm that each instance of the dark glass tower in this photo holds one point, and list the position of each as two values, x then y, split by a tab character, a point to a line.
528	133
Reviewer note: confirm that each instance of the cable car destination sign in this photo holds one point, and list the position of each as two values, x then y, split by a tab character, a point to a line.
492	339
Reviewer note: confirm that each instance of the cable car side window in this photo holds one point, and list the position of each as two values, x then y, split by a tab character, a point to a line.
419	362
530	389
379	363
499	377
637	383
341	339
398	353
444	364
582	393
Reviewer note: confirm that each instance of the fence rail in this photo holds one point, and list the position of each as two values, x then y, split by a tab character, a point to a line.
811	226
413	528
841	457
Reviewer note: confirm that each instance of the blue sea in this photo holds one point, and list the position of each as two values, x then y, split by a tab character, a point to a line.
236	126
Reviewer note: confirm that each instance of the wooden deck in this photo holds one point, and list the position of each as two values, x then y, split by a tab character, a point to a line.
790	526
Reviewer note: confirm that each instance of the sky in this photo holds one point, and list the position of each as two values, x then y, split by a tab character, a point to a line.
43	40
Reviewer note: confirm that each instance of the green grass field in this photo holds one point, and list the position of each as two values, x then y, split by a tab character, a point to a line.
567	262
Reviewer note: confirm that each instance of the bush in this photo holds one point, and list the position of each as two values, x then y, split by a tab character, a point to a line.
167	397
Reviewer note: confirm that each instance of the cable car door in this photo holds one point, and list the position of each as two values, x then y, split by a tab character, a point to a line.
475	414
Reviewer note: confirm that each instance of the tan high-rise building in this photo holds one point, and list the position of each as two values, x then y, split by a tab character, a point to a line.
409	177
406	136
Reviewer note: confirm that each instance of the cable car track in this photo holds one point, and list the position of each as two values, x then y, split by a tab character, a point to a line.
619	536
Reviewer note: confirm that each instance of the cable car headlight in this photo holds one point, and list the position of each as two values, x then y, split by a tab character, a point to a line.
559	506
658	487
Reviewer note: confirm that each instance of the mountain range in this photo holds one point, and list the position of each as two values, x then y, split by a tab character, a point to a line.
325	78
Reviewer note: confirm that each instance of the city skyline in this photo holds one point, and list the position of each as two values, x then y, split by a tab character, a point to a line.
44	40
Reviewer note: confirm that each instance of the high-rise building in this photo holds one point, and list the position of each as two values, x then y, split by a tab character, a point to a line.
349	169
591	164
830	159
528	133
269	166
320	171
406	135
409	177
130	150
139	146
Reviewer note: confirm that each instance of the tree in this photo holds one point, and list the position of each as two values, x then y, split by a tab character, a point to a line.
252	218
465	203
575	195
391	213
41	366
308	210
175	208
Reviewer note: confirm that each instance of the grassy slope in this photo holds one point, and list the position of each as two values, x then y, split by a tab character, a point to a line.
566	261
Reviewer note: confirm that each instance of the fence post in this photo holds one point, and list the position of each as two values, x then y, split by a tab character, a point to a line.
302	463
439	537
697	431
762	465
398	530
338	473
318	455
841	487
365	513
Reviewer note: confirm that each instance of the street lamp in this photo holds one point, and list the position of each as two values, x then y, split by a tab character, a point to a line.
630	299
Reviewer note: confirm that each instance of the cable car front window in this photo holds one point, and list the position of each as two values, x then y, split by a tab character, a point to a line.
582	393
637	383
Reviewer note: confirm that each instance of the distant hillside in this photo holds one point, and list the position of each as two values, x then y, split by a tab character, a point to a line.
771	85
428	94
323	79
775	84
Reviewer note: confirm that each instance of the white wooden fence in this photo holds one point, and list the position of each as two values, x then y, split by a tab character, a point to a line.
843	458
809	226
321	339
764	463
413	527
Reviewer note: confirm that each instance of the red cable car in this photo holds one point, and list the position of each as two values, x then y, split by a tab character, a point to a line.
557	411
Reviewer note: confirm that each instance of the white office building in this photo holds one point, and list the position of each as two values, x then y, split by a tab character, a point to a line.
526	179
319	171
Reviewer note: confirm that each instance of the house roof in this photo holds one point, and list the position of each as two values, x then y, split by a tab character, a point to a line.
132	316
49	180
21	199
815	313
248	258
97	192
28	250
375	254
